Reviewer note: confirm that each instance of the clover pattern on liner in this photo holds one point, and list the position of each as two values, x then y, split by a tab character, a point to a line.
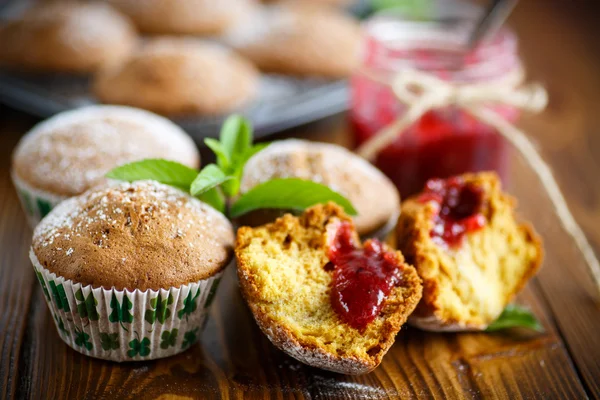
35	206
86	307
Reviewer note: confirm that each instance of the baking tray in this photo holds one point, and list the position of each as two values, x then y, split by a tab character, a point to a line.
283	101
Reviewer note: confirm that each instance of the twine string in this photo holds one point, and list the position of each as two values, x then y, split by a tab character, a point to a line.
423	92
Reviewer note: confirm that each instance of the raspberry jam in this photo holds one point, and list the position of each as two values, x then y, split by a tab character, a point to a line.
447	141
362	277
459	209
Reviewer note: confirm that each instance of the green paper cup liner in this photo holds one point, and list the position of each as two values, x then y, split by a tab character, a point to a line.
123	325
36	203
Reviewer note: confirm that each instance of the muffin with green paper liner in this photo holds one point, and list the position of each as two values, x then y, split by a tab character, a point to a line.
129	270
71	152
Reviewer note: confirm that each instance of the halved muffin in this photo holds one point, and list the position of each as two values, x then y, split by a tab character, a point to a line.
321	296
462	236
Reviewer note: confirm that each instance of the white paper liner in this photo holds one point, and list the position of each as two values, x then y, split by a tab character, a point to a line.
104	330
36	203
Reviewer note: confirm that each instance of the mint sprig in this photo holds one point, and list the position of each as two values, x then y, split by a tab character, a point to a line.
218	184
515	316
210	177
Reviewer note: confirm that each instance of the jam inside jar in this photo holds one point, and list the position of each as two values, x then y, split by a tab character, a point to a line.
443	142
362	277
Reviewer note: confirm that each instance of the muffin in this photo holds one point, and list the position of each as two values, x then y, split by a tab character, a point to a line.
66	37
321	296
299	41
473	256
185	17
373	195
129	270
71	152
176	76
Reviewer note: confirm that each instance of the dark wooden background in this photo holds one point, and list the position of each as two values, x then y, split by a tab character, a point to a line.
560	43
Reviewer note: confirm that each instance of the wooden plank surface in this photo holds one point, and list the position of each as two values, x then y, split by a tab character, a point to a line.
561	47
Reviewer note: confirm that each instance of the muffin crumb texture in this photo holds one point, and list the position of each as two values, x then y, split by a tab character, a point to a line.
281	268
141	235
467	287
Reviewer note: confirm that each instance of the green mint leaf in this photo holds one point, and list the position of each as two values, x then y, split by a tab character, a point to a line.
164	171
210	177
232	187
214	198
223	160
289	194
515	316
236	137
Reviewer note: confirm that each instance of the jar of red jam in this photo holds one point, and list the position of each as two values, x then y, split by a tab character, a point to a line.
443	142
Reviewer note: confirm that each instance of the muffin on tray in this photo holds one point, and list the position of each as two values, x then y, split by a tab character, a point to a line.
179	76
72	151
129	270
189	17
473	256
320	295
299	40
69	37
372	193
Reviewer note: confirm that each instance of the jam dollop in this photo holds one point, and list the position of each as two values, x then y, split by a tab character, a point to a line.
459	209
362	277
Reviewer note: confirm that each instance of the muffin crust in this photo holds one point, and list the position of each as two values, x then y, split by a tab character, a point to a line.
141	235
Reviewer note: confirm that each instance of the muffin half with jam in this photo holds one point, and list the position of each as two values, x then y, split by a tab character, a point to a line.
462	236
129	270
319	294
71	152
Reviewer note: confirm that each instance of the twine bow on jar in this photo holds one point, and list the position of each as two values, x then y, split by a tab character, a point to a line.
422	92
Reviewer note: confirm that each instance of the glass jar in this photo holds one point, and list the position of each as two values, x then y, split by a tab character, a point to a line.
443	142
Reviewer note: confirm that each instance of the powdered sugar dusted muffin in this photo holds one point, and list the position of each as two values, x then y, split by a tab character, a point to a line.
66	37
72	152
127	265
372	194
178	76
300	41
194	17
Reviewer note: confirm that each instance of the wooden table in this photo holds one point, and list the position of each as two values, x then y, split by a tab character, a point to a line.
561	48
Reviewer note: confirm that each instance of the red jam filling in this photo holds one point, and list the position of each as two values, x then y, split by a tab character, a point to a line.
459	204
362	277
